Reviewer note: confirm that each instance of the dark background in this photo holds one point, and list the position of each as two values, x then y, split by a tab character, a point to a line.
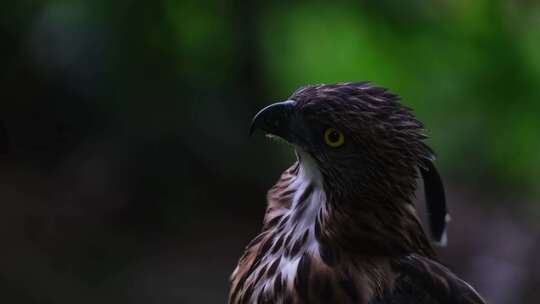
126	172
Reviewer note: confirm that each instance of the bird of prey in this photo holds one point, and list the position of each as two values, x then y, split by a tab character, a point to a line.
340	224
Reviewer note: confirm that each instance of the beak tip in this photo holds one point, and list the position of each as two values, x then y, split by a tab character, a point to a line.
277	111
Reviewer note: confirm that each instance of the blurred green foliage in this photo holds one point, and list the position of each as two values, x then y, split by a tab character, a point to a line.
471	70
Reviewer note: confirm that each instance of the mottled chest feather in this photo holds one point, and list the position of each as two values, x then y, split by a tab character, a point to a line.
289	262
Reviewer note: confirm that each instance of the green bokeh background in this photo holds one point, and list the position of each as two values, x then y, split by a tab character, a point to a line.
127	172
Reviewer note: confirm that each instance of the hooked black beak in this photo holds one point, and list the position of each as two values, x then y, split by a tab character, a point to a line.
274	119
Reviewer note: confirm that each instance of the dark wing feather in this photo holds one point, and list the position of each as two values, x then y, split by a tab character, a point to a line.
424	281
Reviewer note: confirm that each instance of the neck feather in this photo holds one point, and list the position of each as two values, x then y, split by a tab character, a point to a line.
347	221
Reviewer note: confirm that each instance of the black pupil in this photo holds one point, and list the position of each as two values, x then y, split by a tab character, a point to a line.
333	136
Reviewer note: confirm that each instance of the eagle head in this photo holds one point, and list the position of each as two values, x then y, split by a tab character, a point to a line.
365	144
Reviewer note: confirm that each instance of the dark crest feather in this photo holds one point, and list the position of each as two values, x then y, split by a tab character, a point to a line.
435	201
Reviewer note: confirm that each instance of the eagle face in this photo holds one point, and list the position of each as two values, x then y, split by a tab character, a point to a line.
340	225
358	136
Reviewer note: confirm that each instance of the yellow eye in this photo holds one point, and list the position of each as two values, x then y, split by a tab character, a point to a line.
333	138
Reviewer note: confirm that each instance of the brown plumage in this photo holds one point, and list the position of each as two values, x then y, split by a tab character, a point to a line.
340	225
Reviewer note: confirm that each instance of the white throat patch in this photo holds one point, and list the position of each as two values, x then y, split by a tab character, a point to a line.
309	205
309	171
298	227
